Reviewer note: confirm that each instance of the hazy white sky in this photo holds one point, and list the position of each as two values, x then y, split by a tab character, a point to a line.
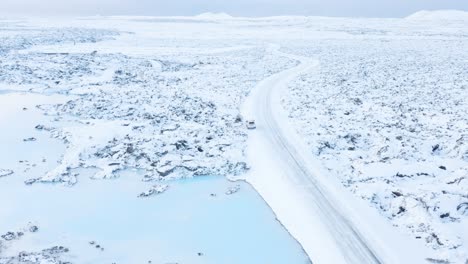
369	8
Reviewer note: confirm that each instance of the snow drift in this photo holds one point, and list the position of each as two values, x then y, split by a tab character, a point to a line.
439	15
210	15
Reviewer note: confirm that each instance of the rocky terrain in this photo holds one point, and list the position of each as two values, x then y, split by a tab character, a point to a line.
389	119
5	172
171	116
165	116
385	112
52	255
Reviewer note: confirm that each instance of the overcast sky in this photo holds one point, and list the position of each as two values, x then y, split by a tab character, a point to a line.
368	8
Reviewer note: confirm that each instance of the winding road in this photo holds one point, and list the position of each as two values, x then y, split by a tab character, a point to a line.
264	105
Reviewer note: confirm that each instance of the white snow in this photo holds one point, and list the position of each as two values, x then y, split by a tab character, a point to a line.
210	15
383	113
290	197
389	120
439	15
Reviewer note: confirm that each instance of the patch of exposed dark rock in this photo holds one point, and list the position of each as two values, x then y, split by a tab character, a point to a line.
233	190
463	208
400	175
30	181
33	229
42	127
9	236
445	215
438	261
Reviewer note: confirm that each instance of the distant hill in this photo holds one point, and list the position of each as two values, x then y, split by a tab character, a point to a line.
439	15
210	15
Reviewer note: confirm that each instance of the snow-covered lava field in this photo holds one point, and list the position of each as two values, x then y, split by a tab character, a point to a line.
129	125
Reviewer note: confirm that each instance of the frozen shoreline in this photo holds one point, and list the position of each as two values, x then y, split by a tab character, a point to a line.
102	138
98	221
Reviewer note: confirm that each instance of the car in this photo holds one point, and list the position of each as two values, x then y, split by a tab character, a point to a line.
251	124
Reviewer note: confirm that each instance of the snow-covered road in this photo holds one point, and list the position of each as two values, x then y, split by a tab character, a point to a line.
285	175
351	244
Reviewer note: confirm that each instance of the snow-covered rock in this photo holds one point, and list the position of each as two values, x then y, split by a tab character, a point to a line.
389	119
385	113
165	120
233	190
51	255
156	189
5	172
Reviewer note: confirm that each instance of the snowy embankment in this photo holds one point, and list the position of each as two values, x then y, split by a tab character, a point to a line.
389	119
